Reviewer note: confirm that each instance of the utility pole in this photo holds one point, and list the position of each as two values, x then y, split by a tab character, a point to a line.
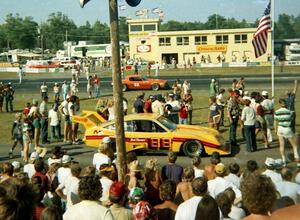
66	35
117	89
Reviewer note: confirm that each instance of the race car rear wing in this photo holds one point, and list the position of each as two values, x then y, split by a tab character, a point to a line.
88	119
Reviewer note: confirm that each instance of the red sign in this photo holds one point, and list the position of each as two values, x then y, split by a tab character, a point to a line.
143	48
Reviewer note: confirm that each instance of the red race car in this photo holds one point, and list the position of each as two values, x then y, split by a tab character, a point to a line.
134	82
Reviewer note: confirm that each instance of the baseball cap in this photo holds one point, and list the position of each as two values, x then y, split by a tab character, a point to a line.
106	140
171	94
16	164
106	168
213	80
66	159
34	156
220	168
135	166
118	189
137	193
264	93
270	162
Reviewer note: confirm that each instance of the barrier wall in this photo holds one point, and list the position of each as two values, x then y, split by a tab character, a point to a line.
32	70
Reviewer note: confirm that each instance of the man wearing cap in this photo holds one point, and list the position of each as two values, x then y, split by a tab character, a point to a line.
157	106
268	106
64	171
148	104
29	168
283	119
270	170
219	184
107	175
118	196
68	190
102	156
44	120
173	113
139	103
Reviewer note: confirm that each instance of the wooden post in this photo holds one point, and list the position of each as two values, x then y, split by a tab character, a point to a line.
117	89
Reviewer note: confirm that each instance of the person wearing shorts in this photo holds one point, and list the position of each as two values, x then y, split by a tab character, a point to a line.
283	119
17	134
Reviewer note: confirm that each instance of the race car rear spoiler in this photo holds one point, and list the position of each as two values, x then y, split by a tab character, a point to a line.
88	119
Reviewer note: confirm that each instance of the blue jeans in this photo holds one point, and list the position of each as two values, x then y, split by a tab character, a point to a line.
44	130
250	137
232	131
183	121
97	91
55	132
9	103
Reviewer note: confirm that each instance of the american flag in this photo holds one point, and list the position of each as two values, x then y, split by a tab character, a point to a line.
260	38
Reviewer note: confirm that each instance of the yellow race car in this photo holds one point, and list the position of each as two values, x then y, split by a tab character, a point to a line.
151	132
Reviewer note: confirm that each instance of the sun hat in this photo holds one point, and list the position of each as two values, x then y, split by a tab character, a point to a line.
135	166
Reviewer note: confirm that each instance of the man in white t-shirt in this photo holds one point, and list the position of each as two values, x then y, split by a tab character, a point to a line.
102	156
54	118
270	170
63	108
64	171
44	90
219	184
173	113
286	187
29	168
233	177
89	208
157	106
268	106
187	210
68	190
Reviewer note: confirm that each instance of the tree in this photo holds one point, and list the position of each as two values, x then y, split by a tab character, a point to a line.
54	30
21	33
284	27
123	29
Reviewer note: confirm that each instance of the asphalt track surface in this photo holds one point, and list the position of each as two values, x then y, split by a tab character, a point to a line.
197	82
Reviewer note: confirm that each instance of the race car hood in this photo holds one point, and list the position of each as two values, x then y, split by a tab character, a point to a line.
203	134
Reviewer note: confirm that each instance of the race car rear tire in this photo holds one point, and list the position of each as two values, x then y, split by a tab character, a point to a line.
124	88
192	148
155	87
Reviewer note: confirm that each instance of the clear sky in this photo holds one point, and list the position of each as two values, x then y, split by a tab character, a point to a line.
181	10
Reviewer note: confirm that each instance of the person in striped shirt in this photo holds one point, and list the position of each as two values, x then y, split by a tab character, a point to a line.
283	118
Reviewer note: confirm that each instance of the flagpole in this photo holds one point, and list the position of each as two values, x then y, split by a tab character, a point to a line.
272	42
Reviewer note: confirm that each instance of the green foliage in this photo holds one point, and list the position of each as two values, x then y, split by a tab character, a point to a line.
19	32
24	33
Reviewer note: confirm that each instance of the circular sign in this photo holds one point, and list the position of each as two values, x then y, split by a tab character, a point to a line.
144	48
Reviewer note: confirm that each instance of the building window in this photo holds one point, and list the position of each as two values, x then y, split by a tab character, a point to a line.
149	27
222	39
182	41
200	40
241	38
164	41
135	28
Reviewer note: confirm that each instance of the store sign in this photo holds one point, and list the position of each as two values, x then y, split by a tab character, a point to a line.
211	48
143	48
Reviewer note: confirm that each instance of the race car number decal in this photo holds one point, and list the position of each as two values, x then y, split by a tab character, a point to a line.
136	84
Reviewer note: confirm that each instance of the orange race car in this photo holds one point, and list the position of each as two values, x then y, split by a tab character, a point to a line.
134	82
